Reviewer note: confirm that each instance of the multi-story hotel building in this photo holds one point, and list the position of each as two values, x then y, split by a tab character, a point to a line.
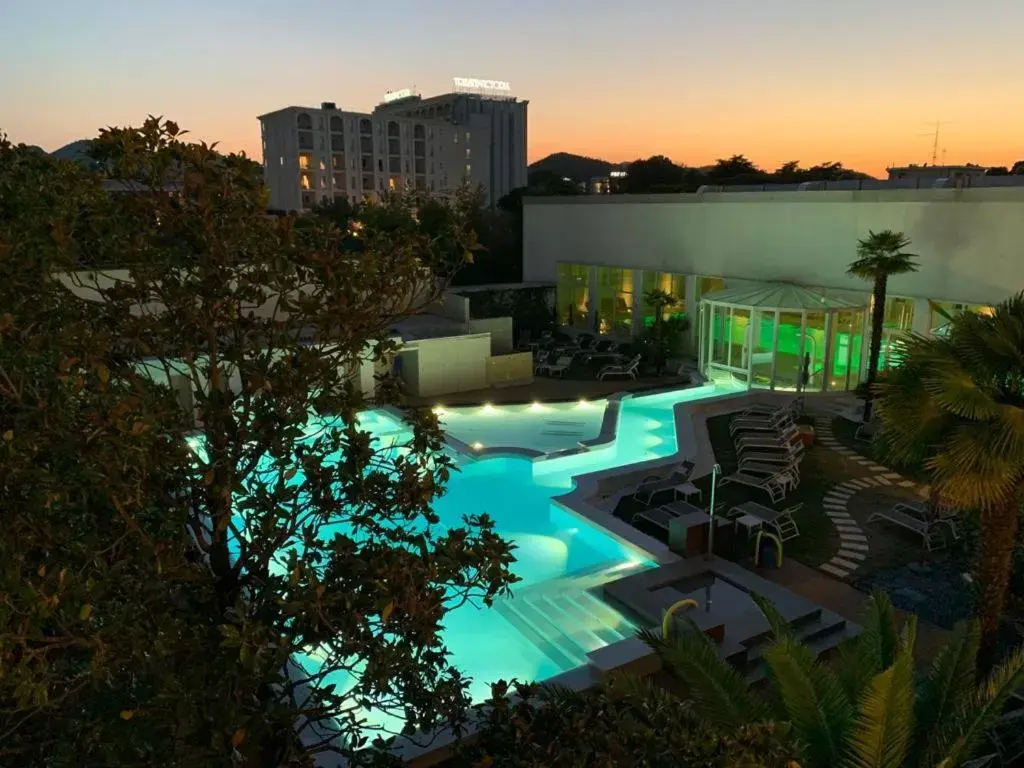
432	145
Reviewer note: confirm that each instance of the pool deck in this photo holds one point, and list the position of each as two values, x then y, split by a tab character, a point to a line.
549	390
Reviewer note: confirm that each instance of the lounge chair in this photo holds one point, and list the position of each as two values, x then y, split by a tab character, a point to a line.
930	531
786	437
677	482
557	368
760	424
795	407
942	513
751	467
782	523
866	431
615	369
779	455
774	485
601	348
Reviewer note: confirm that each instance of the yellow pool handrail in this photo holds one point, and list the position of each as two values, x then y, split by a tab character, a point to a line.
757	546
686	602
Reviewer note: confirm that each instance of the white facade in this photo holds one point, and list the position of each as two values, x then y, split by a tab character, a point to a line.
432	145
969	240
604	252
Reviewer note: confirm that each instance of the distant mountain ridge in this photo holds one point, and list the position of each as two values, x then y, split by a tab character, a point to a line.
576	167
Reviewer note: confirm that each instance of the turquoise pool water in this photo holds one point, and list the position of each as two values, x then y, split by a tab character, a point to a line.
553	619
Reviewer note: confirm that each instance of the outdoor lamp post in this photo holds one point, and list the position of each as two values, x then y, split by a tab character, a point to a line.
715	472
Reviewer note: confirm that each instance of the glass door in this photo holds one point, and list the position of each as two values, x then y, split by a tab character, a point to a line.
762	343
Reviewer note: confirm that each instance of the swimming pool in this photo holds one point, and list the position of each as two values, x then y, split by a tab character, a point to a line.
553	619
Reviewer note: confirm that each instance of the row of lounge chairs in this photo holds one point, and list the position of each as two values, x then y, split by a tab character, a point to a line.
935	525
768	448
624	368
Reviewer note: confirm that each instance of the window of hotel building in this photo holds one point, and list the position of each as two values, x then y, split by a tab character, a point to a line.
572	299
305	160
939	325
667	282
336	124
304	121
467	137
323	164
391	183
899	319
281	158
306	180
455	137
614	299
467	153
469	170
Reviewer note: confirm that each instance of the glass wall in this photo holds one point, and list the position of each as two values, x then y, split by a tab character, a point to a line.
847	338
614	300
572	297
899	319
789	352
762	343
709	284
938	323
813	363
667	282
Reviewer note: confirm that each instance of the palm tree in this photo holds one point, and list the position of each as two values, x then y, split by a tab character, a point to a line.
956	407
659	301
879	255
865	712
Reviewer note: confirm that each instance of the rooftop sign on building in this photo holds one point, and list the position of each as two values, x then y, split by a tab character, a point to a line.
390	96
476	85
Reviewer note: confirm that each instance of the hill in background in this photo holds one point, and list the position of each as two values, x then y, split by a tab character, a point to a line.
575	167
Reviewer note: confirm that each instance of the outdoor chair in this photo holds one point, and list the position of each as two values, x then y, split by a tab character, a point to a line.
659	517
942	513
615	369
782	455
602	348
557	368
930	531
678	481
795	407
751	467
866	431
770	423
782	439
774	485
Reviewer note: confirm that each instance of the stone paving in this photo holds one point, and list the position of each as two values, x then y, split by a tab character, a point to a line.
854	545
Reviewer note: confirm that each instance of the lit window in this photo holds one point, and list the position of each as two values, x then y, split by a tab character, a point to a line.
467	153
282	160
467	136
469	169
323	165
391	183
305	160
455	137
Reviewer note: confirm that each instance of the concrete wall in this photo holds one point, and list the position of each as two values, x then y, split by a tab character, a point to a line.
500	329
509	370
451	305
442	366
970	241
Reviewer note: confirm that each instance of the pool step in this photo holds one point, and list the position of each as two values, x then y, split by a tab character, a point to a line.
565	624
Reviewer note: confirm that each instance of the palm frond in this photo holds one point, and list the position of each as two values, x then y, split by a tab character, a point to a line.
718	690
948	684
781	629
815	702
962	733
885	718
879	637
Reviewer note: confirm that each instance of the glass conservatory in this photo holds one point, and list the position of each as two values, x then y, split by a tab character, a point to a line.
782	336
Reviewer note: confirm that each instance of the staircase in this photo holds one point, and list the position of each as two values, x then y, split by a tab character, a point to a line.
563	617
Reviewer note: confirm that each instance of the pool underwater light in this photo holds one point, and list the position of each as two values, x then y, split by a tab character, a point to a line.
478	446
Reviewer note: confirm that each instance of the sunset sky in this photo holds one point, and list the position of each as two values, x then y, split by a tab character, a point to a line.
810	80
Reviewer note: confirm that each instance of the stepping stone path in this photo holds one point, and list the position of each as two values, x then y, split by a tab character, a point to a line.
853	544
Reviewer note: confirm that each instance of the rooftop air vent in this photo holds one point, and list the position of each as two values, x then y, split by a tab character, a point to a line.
328	105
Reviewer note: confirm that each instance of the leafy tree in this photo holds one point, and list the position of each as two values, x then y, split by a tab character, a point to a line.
868	712
955	406
735	170
657	171
178	581
625	722
879	256
1018	168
